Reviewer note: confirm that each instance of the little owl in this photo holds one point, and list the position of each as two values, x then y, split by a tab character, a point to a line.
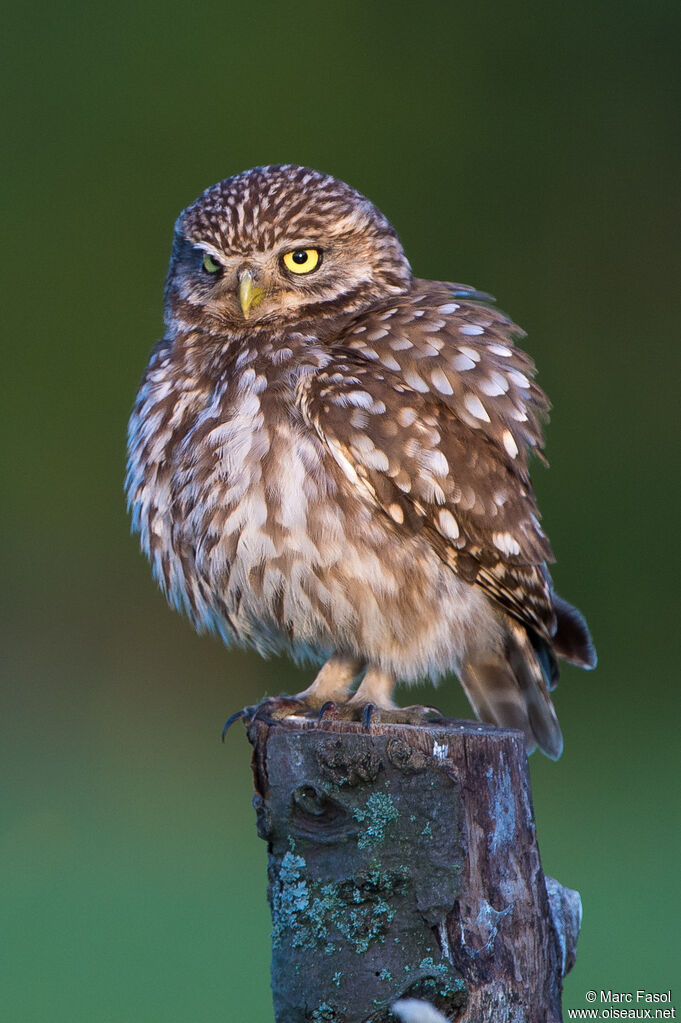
328	458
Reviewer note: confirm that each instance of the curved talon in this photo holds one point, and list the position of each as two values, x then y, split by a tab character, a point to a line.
324	709
260	714
230	721
272	709
433	714
367	714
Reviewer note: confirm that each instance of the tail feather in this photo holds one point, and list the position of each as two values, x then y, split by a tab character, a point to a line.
547	659
493	693
510	689
535	672
509	686
572	640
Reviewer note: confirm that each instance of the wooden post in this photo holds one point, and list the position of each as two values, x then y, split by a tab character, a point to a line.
403	863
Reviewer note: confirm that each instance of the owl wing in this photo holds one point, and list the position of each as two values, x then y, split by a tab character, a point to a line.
430	410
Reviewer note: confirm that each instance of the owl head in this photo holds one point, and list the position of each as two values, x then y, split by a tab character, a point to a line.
280	244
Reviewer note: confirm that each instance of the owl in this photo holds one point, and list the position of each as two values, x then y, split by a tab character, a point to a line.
328	458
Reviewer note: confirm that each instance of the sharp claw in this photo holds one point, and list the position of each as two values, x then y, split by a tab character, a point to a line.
260	714
324	709
433	714
271	710
367	714
230	721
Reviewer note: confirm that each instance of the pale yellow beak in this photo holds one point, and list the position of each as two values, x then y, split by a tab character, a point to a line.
249	295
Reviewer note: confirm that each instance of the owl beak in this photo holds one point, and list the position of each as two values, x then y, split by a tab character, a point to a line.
249	295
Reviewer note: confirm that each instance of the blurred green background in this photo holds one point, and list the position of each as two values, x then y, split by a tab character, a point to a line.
532	149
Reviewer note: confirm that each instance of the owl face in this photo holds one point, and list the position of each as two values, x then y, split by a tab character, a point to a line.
280	244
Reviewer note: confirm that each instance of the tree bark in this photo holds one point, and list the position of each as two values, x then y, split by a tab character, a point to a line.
403	862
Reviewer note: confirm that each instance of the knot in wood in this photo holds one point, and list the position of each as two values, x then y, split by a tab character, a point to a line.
405	757
345	768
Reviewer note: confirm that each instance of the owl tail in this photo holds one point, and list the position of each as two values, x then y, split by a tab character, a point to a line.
511	689
572	640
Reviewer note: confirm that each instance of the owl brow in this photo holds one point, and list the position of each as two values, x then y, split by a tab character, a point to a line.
210	249
297	243
310	226
326	241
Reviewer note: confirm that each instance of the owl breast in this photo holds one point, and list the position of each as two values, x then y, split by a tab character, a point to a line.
257	533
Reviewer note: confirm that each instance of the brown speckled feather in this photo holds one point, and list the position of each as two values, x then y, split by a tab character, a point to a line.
329	458
396	409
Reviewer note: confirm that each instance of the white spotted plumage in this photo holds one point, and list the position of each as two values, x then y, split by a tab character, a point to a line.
343	476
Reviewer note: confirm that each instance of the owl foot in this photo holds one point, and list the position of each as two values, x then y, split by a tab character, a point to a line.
278	708
269	710
370	713
414	715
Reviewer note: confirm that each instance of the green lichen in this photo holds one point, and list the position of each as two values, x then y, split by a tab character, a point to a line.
444	990
378	813
429	964
323	1013
292	897
434	988
385	975
336	979
308	914
443	984
427	831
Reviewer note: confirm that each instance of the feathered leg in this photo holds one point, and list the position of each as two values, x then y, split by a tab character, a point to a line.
376	689
333	681
373	701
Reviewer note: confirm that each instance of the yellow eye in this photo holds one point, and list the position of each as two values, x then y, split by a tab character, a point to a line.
302	261
210	265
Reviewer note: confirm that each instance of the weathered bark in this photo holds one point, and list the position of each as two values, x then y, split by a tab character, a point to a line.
403	862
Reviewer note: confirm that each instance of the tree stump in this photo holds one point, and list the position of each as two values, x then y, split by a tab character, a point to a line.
403	863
